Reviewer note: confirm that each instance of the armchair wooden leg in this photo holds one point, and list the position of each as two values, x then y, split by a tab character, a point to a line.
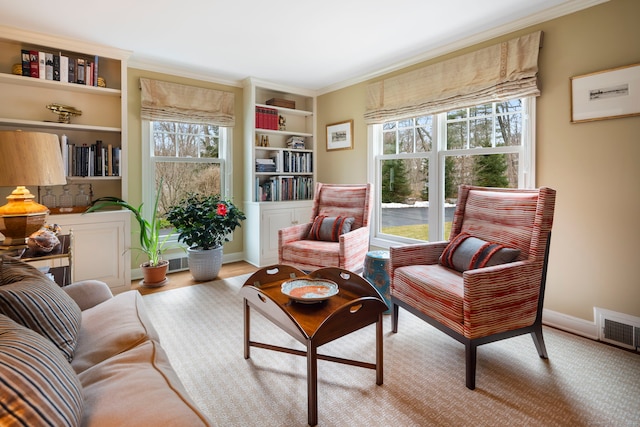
394	317
538	340
470	355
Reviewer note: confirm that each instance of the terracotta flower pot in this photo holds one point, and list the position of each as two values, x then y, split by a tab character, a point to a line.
154	276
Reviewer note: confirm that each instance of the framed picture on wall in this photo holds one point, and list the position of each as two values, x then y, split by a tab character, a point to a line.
606	94
340	136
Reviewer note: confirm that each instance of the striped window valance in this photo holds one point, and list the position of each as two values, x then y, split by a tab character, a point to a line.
189	104
496	73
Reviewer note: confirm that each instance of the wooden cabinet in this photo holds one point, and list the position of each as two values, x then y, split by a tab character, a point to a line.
100	242
280	164
261	247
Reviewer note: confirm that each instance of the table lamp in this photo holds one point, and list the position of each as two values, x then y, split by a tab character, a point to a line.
27	158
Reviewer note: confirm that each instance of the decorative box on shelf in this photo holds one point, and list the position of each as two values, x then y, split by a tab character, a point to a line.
283	103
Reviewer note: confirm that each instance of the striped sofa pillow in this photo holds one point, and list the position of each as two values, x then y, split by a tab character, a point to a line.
39	304
39	387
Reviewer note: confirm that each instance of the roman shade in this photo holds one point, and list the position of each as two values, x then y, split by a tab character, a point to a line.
496	73
189	104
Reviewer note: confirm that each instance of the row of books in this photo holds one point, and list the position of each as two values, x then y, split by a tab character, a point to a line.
97	159
58	67
266	118
279	188
297	162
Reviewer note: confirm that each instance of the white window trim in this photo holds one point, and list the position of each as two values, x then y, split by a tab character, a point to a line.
526	177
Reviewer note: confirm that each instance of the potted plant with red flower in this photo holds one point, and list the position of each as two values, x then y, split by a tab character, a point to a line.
204	222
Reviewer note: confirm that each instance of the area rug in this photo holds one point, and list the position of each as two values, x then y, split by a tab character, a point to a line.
583	383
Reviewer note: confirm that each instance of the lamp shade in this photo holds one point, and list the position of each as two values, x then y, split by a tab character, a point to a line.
27	158
30	158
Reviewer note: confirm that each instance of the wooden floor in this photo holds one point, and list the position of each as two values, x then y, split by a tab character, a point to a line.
183	278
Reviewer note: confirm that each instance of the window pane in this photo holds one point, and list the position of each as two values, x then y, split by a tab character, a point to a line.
491	170
480	131
424	133
456	135
389	143
509	130
185	140
480	110
404	209
181	178
406	140
457	114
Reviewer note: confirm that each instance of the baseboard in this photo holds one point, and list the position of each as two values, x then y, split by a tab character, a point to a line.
571	324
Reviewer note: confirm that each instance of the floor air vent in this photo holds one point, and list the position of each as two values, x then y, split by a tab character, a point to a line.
618	328
178	264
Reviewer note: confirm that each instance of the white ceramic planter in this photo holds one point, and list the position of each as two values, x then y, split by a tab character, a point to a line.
205	264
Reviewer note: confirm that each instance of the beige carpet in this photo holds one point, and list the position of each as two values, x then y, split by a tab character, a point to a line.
584	383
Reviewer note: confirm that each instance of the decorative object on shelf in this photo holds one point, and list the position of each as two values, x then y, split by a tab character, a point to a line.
607	94
151	243
17	69
43	241
64	112
204	223
102	82
282	123
283	103
340	136
27	158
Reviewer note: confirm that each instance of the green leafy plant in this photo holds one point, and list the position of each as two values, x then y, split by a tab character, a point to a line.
204	222
150	243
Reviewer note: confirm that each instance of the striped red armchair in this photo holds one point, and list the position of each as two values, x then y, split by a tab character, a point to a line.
487	282
338	235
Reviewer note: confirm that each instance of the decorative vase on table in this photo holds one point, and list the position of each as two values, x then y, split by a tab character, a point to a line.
205	264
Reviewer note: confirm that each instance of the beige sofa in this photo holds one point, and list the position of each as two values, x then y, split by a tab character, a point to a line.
80	356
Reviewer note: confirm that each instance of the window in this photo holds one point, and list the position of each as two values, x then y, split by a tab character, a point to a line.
419	163
187	157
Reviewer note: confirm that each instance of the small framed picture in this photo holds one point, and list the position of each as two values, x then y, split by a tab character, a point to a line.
340	136
606	94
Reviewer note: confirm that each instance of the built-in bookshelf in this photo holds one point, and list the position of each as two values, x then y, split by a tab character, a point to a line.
98	91
280	163
102	99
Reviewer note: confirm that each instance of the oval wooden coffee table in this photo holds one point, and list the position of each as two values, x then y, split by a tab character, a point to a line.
356	305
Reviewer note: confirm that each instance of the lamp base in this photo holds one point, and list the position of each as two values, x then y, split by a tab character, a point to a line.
21	217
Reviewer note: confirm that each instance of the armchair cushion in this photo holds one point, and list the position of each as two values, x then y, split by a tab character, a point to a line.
466	252
329	229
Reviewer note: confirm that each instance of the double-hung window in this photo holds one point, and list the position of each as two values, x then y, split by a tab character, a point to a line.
187	157
419	163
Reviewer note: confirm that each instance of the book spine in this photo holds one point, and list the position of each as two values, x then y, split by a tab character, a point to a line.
95	71
42	65
56	67
64	141
80	71
34	63
64	68
73	64
26	63
110	162
49	66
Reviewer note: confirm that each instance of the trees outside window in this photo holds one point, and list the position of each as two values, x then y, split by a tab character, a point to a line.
421	162
187	157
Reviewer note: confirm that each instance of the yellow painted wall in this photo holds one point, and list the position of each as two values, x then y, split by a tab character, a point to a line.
135	141
595	167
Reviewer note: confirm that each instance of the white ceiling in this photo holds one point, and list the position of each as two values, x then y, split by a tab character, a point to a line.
314	45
